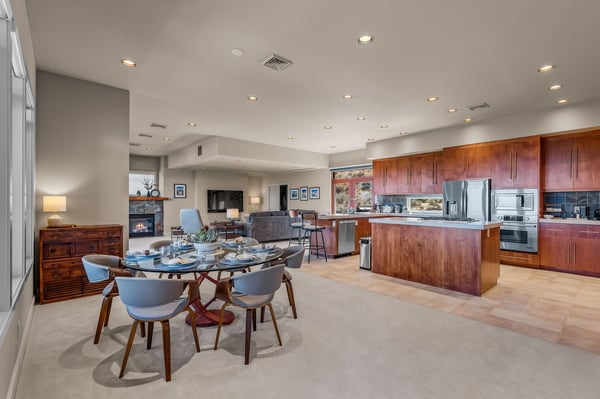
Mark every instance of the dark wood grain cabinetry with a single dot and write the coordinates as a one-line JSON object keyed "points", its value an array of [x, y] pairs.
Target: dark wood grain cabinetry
{"points": [[432, 172], [385, 173], [60, 268], [571, 162], [516, 163], [467, 162], [570, 247]]}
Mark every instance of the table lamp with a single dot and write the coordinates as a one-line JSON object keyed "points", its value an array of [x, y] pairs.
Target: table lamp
{"points": [[54, 203], [232, 214]]}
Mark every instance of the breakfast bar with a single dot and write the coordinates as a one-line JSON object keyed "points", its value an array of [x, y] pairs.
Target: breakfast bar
{"points": [[458, 256]]}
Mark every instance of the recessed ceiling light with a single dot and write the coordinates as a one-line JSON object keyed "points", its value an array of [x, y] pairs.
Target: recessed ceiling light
{"points": [[347, 96], [237, 51], [384, 126], [332, 146], [252, 98], [451, 110], [128, 62], [166, 139], [545, 68], [237, 161], [149, 148], [432, 99], [361, 118], [555, 87], [467, 120], [365, 39], [563, 101], [403, 133], [192, 124], [371, 139], [327, 127], [290, 137]]}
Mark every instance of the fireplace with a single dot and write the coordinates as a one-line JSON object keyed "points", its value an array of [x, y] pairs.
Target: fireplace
{"points": [[141, 225]]}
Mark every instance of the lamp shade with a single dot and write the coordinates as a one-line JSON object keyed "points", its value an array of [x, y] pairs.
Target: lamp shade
{"points": [[54, 203], [255, 200], [233, 213]]}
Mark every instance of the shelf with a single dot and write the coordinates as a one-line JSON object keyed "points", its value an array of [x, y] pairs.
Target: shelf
{"points": [[148, 199]]}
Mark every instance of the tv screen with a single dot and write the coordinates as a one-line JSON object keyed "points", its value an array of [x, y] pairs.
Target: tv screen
{"points": [[221, 200]]}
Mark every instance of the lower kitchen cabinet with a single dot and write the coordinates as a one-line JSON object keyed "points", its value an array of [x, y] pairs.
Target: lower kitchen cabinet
{"points": [[519, 258], [570, 247]]}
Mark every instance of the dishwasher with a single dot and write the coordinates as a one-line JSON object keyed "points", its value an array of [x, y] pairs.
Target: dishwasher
{"points": [[346, 234]]}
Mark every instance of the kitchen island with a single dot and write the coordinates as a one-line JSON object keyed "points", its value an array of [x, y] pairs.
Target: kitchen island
{"points": [[458, 256]]}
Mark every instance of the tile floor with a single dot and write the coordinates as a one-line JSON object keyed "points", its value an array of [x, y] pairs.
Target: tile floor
{"points": [[557, 307]]}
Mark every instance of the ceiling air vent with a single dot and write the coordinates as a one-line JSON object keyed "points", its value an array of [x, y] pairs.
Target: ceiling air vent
{"points": [[145, 135], [479, 107], [134, 144], [154, 124], [276, 62]]}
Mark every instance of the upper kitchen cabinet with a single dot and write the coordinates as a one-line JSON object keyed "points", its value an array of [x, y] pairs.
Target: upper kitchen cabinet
{"points": [[432, 172], [570, 162], [467, 162], [385, 176], [516, 163]]}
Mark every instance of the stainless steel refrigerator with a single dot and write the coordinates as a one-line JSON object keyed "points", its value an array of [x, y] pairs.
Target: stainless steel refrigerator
{"points": [[467, 199]]}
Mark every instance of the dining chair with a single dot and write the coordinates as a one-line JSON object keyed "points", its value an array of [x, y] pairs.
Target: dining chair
{"points": [[250, 291], [157, 245], [156, 300], [292, 257], [100, 268], [190, 220], [312, 231]]}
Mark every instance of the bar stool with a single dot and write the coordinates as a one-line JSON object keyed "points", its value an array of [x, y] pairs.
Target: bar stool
{"points": [[296, 233], [312, 232]]}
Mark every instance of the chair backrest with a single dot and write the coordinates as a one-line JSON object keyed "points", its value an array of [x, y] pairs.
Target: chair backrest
{"points": [[261, 282], [96, 266], [145, 292], [160, 243], [190, 220], [309, 217], [294, 260]]}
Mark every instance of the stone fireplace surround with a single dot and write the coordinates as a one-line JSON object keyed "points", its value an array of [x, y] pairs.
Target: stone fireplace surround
{"points": [[149, 205]]}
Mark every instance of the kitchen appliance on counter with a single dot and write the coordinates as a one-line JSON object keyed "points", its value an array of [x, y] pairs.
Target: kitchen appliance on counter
{"points": [[597, 214], [517, 209], [464, 199]]}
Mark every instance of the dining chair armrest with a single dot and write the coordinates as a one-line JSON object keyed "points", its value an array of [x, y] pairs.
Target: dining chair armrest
{"points": [[223, 289], [119, 271], [193, 290]]}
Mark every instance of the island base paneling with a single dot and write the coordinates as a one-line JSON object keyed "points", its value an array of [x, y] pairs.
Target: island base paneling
{"points": [[519, 258]]}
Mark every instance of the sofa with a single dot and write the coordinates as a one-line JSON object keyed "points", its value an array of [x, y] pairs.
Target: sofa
{"points": [[268, 225]]}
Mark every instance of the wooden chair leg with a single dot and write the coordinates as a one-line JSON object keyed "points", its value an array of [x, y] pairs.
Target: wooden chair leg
{"points": [[101, 318], [248, 335], [262, 314], [142, 330], [128, 348], [219, 325], [108, 307], [194, 330], [254, 319], [166, 334], [150, 333], [274, 323], [290, 292]]}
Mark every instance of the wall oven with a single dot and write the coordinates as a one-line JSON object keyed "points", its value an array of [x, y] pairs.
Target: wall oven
{"points": [[518, 212]]}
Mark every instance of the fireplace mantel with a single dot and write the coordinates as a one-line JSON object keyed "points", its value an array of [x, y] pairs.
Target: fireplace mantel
{"points": [[148, 199]]}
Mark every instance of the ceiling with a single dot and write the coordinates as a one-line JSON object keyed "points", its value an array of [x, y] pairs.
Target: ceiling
{"points": [[465, 52]]}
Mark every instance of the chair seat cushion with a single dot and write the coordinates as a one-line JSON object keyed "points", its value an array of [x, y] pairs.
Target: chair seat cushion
{"points": [[313, 228], [296, 225], [250, 301], [156, 313]]}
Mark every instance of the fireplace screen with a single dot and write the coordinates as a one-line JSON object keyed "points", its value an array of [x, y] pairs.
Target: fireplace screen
{"points": [[141, 225]]}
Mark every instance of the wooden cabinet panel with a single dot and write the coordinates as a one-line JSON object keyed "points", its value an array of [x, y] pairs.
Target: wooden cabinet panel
{"points": [[61, 271], [557, 166], [585, 247], [378, 177], [432, 172], [519, 258], [570, 247], [385, 176], [516, 163], [587, 158], [467, 162]]}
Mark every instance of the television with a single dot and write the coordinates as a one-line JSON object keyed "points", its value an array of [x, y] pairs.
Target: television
{"points": [[221, 200]]}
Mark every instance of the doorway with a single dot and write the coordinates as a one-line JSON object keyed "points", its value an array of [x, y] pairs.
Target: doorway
{"points": [[278, 197]]}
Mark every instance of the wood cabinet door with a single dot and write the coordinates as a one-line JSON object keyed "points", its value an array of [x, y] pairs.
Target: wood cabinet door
{"points": [[585, 248], [401, 173], [501, 159], [515, 163], [554, 245], [414, 175], [557, 163], [455, 163], [391, 176], [378, 177], [586, 169], [477, 161]]}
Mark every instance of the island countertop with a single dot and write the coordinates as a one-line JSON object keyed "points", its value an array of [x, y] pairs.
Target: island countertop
{"points": [[416, 221]]}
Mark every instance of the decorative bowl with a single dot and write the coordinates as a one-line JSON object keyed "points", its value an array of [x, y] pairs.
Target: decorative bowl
{"points": [[206, 246]]}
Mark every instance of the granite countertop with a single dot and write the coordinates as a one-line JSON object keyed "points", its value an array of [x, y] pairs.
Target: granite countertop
{"points": [[416, 221], [570, 221], [357, 215]]}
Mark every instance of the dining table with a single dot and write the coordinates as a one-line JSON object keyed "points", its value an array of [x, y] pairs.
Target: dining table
{"points": [[237, 255]]}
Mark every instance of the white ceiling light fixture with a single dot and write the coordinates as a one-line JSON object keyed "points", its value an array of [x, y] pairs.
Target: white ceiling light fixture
{"points": [[252, 98], [371, 139], [128, 62], [384, 126], [365, 39], [347, 96], [149, 148], [237, 52], [361, 118], [167, 139], [555, 87], [327, 127], [452, 110], [332, 146], [546, 68], [563, 101], [290, 137], [432, 99], [192, 124], [467, 120], [403, 133]]}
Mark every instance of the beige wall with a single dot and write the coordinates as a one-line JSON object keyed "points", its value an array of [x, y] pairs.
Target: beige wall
{"points": [[82, 149], [315, 178], [169, 177], [216, 180]]}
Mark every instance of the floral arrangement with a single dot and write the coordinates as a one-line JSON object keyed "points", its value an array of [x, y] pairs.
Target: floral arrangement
{"points": [[203, 236]]}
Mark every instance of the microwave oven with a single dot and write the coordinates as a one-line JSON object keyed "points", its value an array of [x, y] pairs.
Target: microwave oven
{"points": [[515, 201]]}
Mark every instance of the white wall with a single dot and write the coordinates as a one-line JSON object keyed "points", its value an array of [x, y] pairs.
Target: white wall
{"points": [[316, 178], [169, 177]]}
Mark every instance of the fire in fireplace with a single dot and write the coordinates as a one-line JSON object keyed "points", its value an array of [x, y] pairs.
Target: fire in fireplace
{"points": [[141, 225]]}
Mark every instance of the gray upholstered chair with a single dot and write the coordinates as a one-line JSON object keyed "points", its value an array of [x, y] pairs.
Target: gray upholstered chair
{"points": [[250, 291], [100, 268], [154, 300], [157, 245], [292, 257], [190, 220]]}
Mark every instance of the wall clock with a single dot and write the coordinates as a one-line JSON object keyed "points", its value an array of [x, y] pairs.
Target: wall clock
{"points": [[154, 192]]}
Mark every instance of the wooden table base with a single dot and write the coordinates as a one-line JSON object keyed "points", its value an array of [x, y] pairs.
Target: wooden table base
{"points": [[210, 318]]}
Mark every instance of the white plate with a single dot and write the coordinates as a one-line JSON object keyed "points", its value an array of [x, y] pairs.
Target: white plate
{"points": [[179, 262]]}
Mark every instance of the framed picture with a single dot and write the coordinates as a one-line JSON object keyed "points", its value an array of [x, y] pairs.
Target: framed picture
{"points": [[314, 193], [179, 191], [303, 193], [294, 194]]}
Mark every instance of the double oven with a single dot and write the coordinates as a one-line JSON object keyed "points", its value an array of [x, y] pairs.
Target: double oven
{"points": [[517, 209]]}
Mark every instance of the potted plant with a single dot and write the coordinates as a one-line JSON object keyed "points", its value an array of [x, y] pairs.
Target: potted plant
{"points": [[205, 240]]}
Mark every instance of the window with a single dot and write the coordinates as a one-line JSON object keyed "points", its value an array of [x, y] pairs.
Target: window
{"points": [[140, 181], [352, 190]]}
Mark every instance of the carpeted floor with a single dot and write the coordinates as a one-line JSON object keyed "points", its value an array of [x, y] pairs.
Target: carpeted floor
{"points": [[347, 342]]}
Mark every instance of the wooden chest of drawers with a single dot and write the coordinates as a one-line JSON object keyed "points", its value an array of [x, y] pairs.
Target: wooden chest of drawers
{"points": [[61, 271]]}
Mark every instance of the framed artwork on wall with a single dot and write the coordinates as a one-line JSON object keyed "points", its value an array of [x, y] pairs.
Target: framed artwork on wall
{"points": [[314, 193], [294, 194], [303, 193], [179, 191]]}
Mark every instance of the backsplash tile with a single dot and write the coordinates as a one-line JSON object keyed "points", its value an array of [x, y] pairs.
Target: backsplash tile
{"points": [[567, 201]]}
